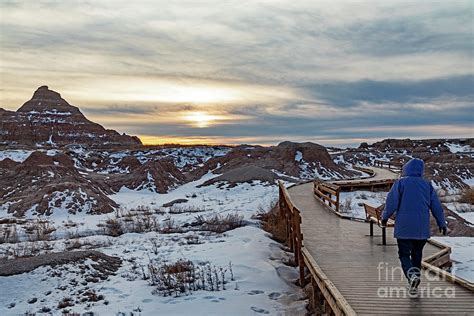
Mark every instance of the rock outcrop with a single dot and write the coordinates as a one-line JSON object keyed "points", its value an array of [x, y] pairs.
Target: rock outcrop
{"points": [[448, 162], [44, 184], [156, 176], [49, 120], [299, 160]]}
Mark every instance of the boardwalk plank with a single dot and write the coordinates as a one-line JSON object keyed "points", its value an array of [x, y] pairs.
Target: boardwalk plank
{"points": [[349, 258]]}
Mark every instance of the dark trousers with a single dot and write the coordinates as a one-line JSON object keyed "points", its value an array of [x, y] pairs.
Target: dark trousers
{"points": [[410, 252]]}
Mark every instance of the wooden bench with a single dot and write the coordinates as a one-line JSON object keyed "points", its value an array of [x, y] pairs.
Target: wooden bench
{"points": [[374, 215]]}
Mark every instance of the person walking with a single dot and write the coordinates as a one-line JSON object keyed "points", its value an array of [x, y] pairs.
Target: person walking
{"points": [[410, 199]]}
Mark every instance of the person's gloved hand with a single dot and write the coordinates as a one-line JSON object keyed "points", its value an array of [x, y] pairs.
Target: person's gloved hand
{"points": [[384, 222], [443, 230]]}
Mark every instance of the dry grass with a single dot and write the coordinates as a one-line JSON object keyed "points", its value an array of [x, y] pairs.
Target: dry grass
{"points": [[467, 196], [345, 206], [184, 277], [39, 230], [273, 223], [130, 222], [29, 249], [181, 209], [218, 223], [169, 226], [8, 234]]}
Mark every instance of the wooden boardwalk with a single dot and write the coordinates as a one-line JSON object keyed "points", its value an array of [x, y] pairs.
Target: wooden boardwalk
{"points": [[363, 271]]}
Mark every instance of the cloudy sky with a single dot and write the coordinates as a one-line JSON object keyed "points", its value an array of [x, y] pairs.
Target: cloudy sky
{"points": [[217, 71]]}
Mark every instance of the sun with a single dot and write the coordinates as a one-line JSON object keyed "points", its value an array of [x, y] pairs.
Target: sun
{"points": [[200, 119]]}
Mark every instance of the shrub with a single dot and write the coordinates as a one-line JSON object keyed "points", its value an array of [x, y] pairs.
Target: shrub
{"points": [[113, 227], [181, 209], [345, 206], [273, 222], [218, 223], [184, 277], [73, 244], [39, 230], [8, 234], [170, 227], [65, 302], [128, 222]]}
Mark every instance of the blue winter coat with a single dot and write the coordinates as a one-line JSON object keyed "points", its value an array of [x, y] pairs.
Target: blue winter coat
{"points": [[411, 199]]}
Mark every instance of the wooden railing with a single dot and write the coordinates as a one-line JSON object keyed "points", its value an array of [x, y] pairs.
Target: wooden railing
{"points": [[387, 164], [327, 193], [366, 170], [292, 217], [370, 185], [325, 292]]}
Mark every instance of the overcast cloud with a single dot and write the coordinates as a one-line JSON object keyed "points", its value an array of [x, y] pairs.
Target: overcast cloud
{"points": [[324, 71]]}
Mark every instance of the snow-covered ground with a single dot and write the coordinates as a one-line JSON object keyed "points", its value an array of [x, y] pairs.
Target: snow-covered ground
{"points": [[458, 148], [256, 265], [15, 155], [465, 210], [462, 255], [352, 203], [262, 282]]}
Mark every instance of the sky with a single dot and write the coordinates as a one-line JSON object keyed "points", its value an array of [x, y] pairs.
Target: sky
{"points": [[261, 72]]}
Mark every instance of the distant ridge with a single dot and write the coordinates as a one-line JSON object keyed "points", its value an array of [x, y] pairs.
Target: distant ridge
{"points": [[49, 120]]}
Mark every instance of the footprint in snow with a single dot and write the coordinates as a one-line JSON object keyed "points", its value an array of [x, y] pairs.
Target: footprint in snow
{"points": [[189, 298], [147, 300], [259, 310], [171, 301], [254, 292], [274, 295]]}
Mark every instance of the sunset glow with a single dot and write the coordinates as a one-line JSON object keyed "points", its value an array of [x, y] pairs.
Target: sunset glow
{"points": [[200, 119], [221, 70]]}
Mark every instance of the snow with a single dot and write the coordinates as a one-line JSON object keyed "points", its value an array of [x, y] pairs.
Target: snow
{"points": [[263, 284], [458, 148], [15, 155], [50, 141], [256, 285], [352, 203], [245, 198], [339, 159], [462, 255], [465, 210], [299, 156], [316, 170], [469, 182]]}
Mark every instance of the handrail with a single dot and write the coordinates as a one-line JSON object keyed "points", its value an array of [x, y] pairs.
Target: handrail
{"points": [[335, 299], [292, 219], [303, 258]]}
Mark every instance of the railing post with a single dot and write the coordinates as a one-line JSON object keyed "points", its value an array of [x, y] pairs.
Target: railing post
{"points": [[300, 245], [288, 229], [293, 237]]}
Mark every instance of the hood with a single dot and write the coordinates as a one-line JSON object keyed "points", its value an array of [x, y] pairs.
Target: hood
{"points": [[414, 168]]}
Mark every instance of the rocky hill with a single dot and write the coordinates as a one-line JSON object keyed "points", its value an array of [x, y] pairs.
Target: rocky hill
{"points": [[297, 160], [448, 162], [44, 183], [48, 119]]}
